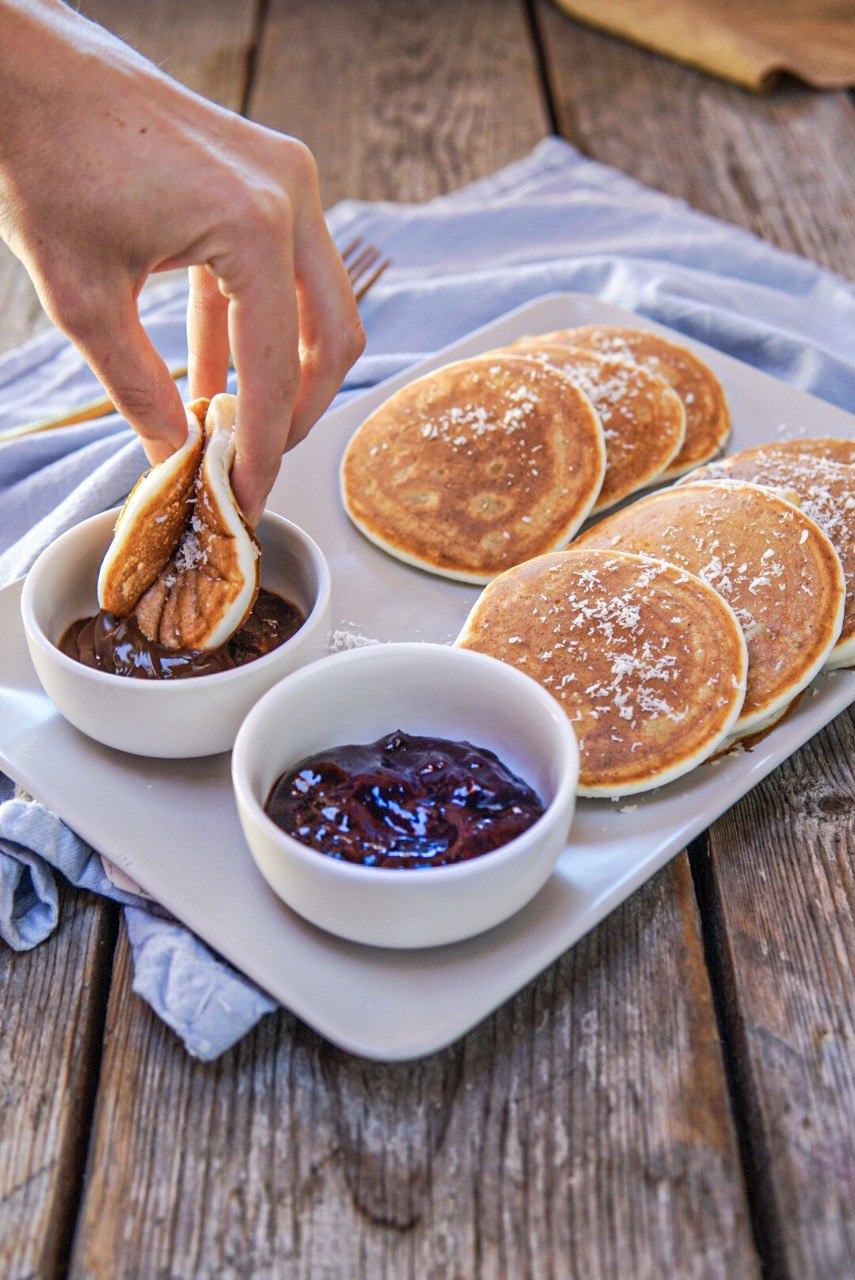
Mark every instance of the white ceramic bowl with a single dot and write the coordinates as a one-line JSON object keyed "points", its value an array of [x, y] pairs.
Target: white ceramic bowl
{"points": [[424, 689], [198, 716]]}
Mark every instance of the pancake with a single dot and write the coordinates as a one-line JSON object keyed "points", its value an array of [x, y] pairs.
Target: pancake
{"points": [[152, 521], [643, 419], [826, 492], [707, 414], [206, 588], [475, 467], [769, 560], [648, 661], [832, 448]]}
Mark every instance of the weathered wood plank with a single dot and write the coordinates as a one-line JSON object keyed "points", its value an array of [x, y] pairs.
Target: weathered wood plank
{"points": [[206, 46], [780, 165], [53, 998], [777, 888], [400, 99], [581, 1132], [53, 1001], [777, 892]]}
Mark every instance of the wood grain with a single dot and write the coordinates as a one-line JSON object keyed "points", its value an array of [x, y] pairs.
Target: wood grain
{"points": [[53, 1001], [581, 1132], [780, 165], [400, 99], [779, 893], [777, 889]]}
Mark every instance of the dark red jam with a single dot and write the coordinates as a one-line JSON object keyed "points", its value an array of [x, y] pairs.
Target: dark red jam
{"points": [[117, 645], [403, 801]]}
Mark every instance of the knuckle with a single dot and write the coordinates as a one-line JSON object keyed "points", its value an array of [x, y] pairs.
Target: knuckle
{"points": [[355, 341], [344, 346], [134, 400], [264, 211], [299, 162], [76, 308]]}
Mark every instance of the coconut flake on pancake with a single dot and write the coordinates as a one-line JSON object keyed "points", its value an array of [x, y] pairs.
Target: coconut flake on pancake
{"points": [[832, 448], [152, 521], [707, 414], [205, 592], [648, 662], [771, 562], [826, 492], [475, 467], [643, 418]]}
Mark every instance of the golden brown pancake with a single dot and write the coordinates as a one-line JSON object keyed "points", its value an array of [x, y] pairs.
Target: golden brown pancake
{"points": [[769, 560], [826, 492], [832, 448], [643, 419], [475, 467], [648, 661], [707, 414], [207, 587], [152, 521]]}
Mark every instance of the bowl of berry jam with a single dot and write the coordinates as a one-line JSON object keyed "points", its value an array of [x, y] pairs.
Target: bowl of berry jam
{"points": [[127, 692], [406, 795]]}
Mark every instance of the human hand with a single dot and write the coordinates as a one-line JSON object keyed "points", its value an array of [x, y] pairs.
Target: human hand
{"points": [[110, 171]]}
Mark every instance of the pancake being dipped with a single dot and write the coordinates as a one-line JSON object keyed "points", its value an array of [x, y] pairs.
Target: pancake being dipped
{"points": [[647, 660], [152, 521], [826, 492], [707, 414], [643, 419], [197, 592], [766, 557], [475, 467]]}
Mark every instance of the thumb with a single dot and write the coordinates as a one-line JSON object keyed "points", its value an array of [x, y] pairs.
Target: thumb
{"points": [[134, 375]]}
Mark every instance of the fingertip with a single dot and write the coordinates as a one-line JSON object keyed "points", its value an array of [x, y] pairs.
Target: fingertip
{"points": [[249, 490]]}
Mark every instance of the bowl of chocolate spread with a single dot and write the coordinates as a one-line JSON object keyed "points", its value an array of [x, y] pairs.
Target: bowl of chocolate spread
{"points": [[131, 693], [406, 795]]}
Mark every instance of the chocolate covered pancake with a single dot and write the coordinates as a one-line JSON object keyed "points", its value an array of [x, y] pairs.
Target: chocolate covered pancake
{"points": [[770, 561], [206, 587], [643, 419], [707, 414], [648, 661], [826, 492], [475, 467]]}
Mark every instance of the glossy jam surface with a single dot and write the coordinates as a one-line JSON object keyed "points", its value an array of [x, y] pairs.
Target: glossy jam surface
{"points": [[117, 645], [403, 802]]}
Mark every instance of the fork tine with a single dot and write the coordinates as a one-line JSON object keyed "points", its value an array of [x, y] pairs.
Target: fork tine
{"points": [[354, 244], [363, 289], [360, 265], [359, 258]]}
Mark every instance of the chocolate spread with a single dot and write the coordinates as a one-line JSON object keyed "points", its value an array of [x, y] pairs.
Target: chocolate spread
{"points": [[118, 646], [403, 802]]}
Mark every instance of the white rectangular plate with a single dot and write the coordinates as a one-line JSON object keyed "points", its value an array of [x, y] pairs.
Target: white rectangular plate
{"points": [[173, 827]]}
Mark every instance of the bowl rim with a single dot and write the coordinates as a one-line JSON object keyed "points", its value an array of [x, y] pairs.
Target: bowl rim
{"points": [[157, 688], [348, 872]]}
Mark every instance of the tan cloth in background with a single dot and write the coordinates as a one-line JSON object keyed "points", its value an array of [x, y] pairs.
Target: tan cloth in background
{"points": [[749, 41]]}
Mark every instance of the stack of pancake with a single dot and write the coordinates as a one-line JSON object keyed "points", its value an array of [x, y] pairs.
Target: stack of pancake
{"points": [[655, 685], [489, 461], [681, 623]]}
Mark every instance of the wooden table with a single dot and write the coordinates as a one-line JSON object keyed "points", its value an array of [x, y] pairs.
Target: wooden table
{"points": [[676, 1096]]}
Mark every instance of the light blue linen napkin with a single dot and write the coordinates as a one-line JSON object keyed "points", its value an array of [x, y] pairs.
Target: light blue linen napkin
{"points": [[553, 221]]}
